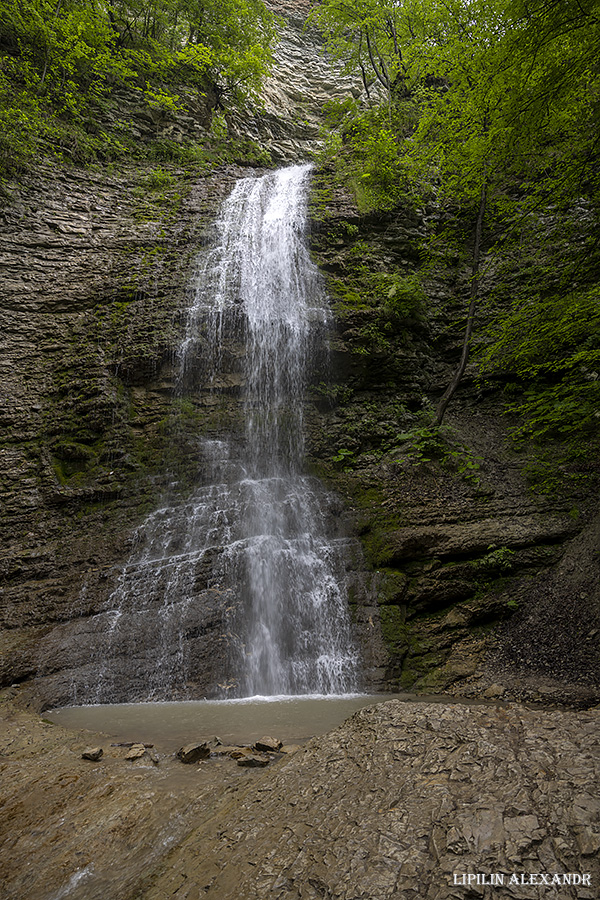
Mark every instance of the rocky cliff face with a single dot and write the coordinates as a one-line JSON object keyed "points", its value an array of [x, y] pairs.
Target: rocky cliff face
{"points": [[97, 269], [98, 266], [291, 123], [466, 557], [456, 593], [472, 595]]}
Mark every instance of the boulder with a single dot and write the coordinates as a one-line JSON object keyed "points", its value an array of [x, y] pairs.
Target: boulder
{"points": [[191, 753], [268, 745], [239, 752], [93, 753], [135, 752]]}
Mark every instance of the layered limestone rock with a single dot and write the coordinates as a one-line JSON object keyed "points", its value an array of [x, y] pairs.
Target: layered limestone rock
{"points": [[466, 586], [401, 800], [96, 273], [304, 80]]}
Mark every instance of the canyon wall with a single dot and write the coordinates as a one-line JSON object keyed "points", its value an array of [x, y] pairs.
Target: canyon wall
{"points": [[461, 580]]}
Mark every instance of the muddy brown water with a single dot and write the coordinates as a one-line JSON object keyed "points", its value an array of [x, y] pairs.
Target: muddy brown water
{"points": [[168, 725]]}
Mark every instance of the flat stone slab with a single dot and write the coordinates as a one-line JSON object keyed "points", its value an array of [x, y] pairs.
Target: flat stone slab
{"points": [[476, 536], [268, 745], [253, 761]]}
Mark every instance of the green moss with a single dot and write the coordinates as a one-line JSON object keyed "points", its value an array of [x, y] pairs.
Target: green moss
{"points": [[393, 628], [393, 586]]}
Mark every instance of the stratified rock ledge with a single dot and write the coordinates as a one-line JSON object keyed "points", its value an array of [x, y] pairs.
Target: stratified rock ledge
{"points": [[402, 798], [394, 803]]}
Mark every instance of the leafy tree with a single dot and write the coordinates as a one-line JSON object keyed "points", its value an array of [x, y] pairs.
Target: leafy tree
{"points": [[59, 58], [503, 98]]}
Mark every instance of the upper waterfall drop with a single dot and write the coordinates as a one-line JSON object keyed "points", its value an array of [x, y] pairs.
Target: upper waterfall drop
{"points": [[259, 280]]}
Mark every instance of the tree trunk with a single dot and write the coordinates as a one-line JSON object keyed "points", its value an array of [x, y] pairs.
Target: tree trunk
{"points": [[445, 400], [40, 86]]}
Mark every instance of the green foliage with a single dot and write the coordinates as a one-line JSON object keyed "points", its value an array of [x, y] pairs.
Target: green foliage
{"points": [[333, 393], [498, 560], [367, 155], [368, 36], [373, 338], [20, 123], [366, 284], [430, 443], [484, 88], [406, 296], [548, 342], [158, 179], [161, 101], [61, 59], [550, 336], [490, 107], [345, 458]]}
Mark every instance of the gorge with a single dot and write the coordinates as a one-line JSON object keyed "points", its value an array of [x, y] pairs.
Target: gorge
{"points": [[161, 431]]}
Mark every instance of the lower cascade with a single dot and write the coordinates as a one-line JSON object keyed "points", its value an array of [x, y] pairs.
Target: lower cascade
{"points": [[254, 539]]}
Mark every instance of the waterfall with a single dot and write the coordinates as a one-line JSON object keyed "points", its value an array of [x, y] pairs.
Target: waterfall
{"points": [[254, 538]]}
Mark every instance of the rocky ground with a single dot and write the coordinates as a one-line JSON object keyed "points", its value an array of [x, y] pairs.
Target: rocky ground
{"points": [[400, 801]]}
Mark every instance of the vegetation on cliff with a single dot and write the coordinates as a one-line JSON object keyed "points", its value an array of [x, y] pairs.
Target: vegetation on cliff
{"points": [[488, 110], [61, 62]]}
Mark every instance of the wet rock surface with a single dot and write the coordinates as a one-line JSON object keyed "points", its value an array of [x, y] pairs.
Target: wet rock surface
{"points": [[191, 753], [93, 754], [97, 269], [395, 802], [91, 315]]}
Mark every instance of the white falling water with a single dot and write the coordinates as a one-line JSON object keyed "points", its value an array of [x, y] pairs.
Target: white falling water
{"points": [[254, 537], [293, 626]]}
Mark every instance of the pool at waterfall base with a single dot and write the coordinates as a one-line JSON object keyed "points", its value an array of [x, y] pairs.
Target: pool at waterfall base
{"points": [[168, 725]]}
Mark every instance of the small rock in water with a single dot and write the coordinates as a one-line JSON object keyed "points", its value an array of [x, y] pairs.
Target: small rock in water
{"points": [[142, 753], [240, 752], [191, 753], [94, 753], [136, 751], [268, 745], [494, 690], [253, 762]]}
